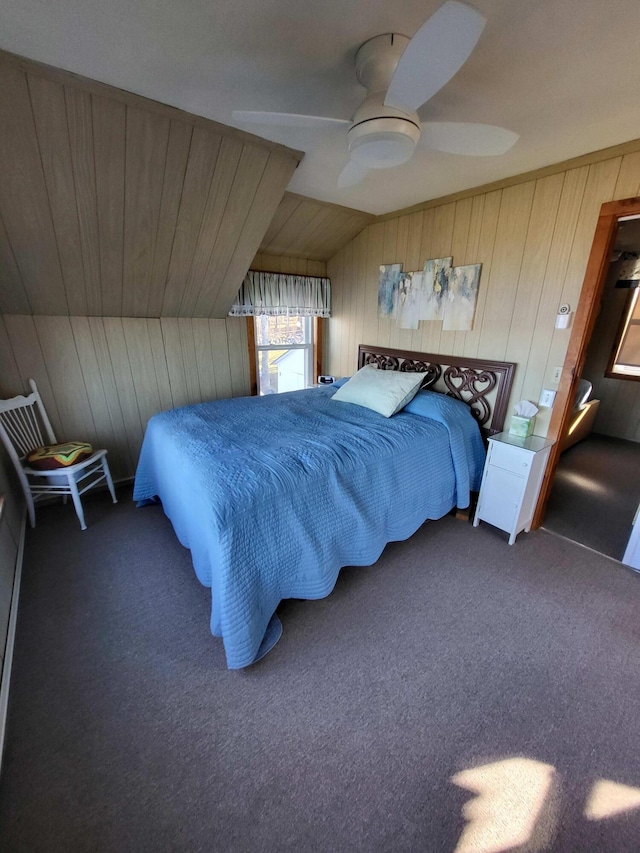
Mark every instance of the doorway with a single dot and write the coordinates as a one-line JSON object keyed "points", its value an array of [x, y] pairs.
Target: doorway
{"points": [[596, 487], [595, 494]]}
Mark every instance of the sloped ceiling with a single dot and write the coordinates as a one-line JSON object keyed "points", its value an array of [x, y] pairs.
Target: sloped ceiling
{"points": [[305, 228], [112, 205]]}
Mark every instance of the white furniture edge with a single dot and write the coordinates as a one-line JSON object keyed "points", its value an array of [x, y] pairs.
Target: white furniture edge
{"points": [[631, 556], [11, 637]]}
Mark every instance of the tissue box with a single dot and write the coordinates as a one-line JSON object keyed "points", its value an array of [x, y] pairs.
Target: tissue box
{"points": [[522, 427]]}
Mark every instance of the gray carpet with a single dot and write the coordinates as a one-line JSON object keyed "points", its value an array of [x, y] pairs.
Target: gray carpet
{"points": [[454, 652], [595, 494]]}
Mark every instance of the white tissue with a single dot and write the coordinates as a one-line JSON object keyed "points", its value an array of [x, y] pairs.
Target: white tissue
{"points": [[525, 409]]}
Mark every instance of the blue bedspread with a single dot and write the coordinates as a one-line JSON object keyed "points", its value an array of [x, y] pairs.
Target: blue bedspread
{"points": [[273, 495]]}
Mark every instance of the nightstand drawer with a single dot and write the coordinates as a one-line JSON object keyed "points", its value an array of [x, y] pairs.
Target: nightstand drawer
{"points": [[510, 458]]}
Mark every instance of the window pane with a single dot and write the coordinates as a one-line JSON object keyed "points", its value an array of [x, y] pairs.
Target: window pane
{"points": [[630, 349], [281, 370], [268, 371], [626, 349], [281, 331]]}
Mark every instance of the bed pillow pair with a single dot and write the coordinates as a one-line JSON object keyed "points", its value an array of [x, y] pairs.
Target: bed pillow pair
{"points": [[383, 391]]}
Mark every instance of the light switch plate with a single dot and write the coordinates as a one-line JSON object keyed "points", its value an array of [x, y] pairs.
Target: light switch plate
{"points": [[547, 397]]}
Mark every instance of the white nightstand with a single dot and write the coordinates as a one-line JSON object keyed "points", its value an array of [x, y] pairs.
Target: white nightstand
{"points": [[511, 481]]}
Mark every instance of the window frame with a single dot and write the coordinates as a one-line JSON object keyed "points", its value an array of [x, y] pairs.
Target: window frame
{"points": [[625, 322], [315, 354]]}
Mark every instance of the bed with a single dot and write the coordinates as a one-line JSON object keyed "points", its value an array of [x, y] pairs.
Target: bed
{"points": [[274, 495]]}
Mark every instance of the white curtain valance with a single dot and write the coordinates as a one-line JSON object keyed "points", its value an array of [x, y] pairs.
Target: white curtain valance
{"points": [[279, 294]]}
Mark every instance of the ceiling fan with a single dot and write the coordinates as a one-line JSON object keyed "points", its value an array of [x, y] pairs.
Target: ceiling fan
{"points": [[401, 74]]}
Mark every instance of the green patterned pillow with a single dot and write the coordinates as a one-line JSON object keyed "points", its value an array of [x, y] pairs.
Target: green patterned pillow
{"points": [[59, 455]]}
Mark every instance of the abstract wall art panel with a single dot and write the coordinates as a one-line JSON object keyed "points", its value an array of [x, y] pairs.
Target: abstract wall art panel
{"points": [[436, 273], [410, 298], [388, 290], [460, 304], [439, 292]]}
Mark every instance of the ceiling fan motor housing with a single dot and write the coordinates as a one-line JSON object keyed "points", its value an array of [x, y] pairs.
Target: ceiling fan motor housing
{"points": [[381, 137], [376, 60]]}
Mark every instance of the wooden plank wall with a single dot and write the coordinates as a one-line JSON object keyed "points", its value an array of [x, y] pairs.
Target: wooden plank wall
{"points": [[533, 240], [293, 266], [102, 378], [113, 205]]}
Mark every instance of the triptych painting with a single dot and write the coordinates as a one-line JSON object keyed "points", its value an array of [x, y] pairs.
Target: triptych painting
{"points": [[439, 291]]}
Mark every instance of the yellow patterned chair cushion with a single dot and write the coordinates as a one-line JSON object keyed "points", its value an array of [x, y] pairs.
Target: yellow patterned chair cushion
{"points": [[59, 455]]}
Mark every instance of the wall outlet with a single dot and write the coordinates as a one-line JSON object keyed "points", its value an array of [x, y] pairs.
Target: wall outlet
{"points": [[557, 373], [547, 397]]}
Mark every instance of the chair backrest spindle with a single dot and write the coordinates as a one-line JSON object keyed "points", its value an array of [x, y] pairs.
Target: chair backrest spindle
{"points": [[43, 413], [24, 429], [24, 423]]}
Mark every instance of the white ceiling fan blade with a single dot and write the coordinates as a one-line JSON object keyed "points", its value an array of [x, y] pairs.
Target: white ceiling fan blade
{"points": [[287, 119], [351, 175], [435, 53], [469, 138]]}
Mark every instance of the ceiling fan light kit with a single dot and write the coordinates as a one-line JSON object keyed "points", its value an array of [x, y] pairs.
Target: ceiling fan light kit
{"points": [[381, 137], [383, 142]]}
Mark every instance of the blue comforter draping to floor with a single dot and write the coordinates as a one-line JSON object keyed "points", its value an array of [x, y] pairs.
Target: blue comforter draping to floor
{"points": [[273, 495]]}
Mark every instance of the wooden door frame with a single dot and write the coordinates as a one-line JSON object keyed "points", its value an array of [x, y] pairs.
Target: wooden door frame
{"points": [[586, 314]]}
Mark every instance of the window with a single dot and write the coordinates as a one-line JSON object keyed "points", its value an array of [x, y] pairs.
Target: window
{"points": [[625, 356], [284, 315], [284, 353]]}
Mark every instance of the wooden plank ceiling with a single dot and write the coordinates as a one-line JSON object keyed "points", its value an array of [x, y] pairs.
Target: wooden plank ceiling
{"points": [[114, 205], [305, 228]]}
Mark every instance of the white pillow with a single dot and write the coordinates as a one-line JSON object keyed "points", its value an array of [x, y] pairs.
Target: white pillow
{"points": [[384, 391]]}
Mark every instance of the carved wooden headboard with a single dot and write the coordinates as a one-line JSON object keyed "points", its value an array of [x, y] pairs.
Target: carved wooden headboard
{"points": [[483, 385]]}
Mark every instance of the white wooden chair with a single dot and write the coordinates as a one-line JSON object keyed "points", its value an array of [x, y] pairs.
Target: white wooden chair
{"points": [[24, 427]]}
